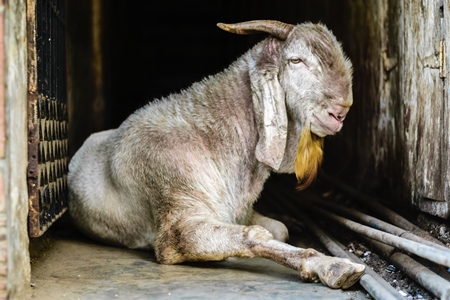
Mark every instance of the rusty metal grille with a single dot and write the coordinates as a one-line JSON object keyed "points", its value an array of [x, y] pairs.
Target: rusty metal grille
{"points": [[47, 115]]}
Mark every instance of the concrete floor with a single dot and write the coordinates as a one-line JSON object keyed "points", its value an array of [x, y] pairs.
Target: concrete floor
{"points": [[73, 267]]}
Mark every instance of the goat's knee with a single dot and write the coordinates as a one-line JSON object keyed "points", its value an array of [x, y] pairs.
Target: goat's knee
{"points": [[278, 230], [256, 233], [207, 241]]}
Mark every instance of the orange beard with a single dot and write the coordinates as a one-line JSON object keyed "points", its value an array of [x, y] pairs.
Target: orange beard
{"points": [[308, 159]]}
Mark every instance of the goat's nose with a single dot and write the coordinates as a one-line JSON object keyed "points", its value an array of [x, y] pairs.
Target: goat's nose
{"points": [[338, 117], [338, 112]]}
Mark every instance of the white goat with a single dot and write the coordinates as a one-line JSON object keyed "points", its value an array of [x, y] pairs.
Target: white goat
{"points": [[181, 174]]}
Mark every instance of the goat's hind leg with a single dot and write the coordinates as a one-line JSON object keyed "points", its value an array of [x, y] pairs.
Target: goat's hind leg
{"points": [[278, 230], [206, 241]]}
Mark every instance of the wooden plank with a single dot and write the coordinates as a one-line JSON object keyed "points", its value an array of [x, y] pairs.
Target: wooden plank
{"points": [[446, 147], [434, 206], [423, 98], [33, 123]]}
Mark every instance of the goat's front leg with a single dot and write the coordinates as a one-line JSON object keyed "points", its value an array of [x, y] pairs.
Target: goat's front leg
{"points": [[312, 265], [205, 241]]}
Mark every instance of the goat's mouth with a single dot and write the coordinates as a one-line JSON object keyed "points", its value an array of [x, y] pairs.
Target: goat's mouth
{"points": [[323, 128]]}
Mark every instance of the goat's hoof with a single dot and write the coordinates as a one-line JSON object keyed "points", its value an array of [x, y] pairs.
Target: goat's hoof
{"points": [[333, 271]]}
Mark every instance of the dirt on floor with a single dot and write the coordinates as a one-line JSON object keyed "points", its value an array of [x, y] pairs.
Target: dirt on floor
{"points": [[396, 278]]}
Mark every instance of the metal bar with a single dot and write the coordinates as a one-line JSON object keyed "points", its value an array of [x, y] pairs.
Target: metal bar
{"points": [[47, 116], [375, 205], [433, 254], [371, 281], [416, 271], [376, 290], [373, 222], [419, 273]]}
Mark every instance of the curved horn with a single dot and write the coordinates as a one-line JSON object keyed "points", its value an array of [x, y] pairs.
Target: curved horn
{"points": [[276, 28]]}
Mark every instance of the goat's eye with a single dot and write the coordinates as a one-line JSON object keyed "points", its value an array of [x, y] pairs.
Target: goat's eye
{"points": [[295, 60]]}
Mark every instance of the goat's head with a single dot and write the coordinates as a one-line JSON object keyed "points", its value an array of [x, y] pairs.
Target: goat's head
{"points": [[302, 75]]}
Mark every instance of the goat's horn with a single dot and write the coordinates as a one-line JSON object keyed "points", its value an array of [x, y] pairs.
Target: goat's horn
{"points": [[276, 28]]}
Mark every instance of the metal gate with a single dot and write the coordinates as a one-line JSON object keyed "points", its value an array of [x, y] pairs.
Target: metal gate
{"points": [[47, 114]]}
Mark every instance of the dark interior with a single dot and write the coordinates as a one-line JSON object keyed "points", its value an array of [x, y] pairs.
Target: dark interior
{"points": [[152, 51]]}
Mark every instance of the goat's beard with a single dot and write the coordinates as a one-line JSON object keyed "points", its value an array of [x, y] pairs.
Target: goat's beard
{"points": [[308, 159]]}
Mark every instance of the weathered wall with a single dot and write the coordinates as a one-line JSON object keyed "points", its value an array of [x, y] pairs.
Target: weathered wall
{"points": [[398, 130], [424, 87], [423, 98], [14, 164]]}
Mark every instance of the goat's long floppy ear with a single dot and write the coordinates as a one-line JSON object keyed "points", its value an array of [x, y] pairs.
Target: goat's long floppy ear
{"points": [[270, 116], [267, 94]]}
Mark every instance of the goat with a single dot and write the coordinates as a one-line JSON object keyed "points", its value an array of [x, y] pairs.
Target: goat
{"points": [[181, 174]]}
